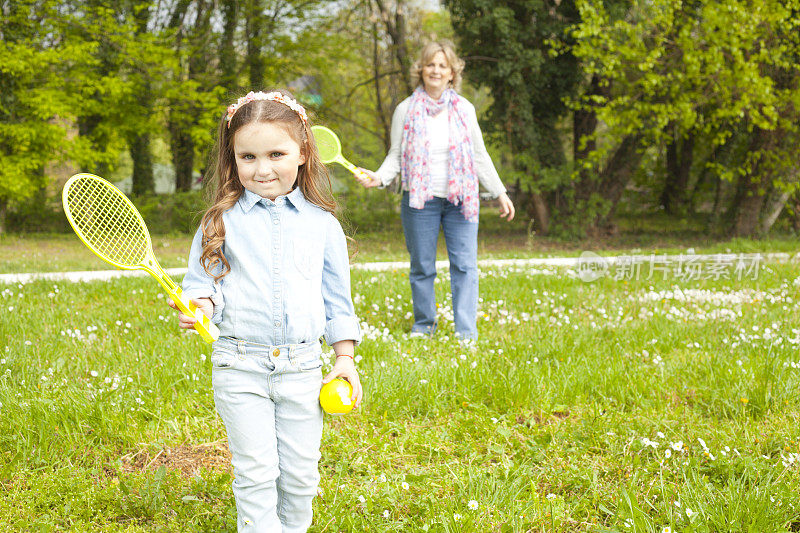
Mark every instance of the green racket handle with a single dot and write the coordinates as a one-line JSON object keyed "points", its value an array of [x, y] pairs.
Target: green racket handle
{"points": [[207, 329], [350, 166]]}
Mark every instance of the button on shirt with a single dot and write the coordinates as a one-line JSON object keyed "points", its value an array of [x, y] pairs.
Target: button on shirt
{"points": [[289, 278]]}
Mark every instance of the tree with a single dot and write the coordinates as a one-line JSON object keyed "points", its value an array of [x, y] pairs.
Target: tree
{"points": [[508, 49], [193, 96], [37, 64], [716, 73]]}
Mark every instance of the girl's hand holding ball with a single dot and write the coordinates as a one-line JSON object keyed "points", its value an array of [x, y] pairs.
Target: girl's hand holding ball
{"points": [[344, 367]]}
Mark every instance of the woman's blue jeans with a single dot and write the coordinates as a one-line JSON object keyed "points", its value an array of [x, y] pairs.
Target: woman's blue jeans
{"points": [[421, 229]]}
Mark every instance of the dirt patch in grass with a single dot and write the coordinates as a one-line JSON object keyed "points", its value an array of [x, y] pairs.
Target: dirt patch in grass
{"points": [[189, 459]]}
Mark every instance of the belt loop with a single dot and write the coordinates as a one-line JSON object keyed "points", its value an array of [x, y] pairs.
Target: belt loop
{"points": [[291, 351], [241, 348]]}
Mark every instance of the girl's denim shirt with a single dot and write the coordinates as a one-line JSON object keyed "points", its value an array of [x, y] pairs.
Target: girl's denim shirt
{"points": [[289, 281]]}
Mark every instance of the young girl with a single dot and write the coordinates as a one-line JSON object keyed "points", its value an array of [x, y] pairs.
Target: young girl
{"points": [[269, 264]]}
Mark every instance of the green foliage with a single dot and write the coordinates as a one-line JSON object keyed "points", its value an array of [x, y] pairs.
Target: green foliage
{"points": [[724, 73], [507, 49], [706, 66], [561, 89], [40, 214], [170, 213], [35, 109]]}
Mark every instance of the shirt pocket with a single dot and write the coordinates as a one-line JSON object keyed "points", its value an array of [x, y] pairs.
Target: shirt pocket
{"points": [[308, 257]]}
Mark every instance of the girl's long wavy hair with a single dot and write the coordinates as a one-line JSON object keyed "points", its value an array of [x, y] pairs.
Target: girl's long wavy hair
{"points": [[225, 188]]}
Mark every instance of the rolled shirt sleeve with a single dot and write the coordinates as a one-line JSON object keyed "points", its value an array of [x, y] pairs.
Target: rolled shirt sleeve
{"points": [[341, 322], [198, 284]]}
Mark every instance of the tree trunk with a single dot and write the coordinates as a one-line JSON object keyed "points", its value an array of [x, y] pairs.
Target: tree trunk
{"points": [[3, 214], [143, 182], [396, 28], [227, 53], [749, 199], [86, 128], [584, 123], [138, 141], [536, 208], [255, 24], [382, 114], [746, 207], [717, 210], [794, 211], [182, 158], [679, 162], [617, 173], [772, 209]]}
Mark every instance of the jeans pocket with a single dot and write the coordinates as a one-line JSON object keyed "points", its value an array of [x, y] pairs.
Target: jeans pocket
{"points": [[221, 359], [307, 365]]}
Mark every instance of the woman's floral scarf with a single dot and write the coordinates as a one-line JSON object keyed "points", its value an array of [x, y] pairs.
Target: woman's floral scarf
{"points": [[462, 180]]}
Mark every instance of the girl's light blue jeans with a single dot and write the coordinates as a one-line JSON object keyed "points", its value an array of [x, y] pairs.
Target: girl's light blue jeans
{"points": [[421, 229], [268, 398]]}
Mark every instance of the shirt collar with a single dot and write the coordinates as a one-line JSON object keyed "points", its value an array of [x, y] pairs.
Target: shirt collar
{"points": [[249, 199], [297, 199]]}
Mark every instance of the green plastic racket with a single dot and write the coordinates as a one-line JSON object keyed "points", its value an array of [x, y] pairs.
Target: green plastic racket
{"points": [[330, 149], [111, 227]]}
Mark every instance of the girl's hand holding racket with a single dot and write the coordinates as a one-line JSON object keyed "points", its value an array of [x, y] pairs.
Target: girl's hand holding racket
{"points": [[368, 178], [188, 321], [111, 227]]}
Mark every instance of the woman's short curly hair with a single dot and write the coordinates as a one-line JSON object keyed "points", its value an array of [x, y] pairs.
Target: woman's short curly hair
{"points": [[430, 50]]}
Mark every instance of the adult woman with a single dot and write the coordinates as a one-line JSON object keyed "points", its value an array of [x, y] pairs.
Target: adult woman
{"points": [[438, 149]]}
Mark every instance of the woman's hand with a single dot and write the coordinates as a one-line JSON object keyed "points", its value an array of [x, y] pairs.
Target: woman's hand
{"points": [[368, 178], [188, 321], [506, 207], [344, 367]]}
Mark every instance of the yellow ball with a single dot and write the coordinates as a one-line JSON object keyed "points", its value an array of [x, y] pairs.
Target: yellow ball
{"points": [[335, 397]]}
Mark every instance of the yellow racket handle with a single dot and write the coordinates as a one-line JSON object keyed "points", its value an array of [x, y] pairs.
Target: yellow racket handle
{"points": [[350, 166], [207, 329]]}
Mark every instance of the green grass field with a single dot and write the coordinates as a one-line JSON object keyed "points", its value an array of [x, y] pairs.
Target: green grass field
{"points": [[619, 405]]}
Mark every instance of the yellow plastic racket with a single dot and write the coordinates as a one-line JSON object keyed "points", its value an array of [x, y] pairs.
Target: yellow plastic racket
{"points": [[109, 224], [330, 149]]}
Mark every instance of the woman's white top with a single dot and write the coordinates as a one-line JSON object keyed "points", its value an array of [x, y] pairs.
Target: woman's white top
{"points": [[438, 153]]}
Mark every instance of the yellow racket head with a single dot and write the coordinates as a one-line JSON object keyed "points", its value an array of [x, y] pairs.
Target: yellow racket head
{"points": [[328, 144], [106, 221]]}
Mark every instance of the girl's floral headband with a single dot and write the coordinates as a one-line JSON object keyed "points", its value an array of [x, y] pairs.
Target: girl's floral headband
{"points": [[274, 96]]}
